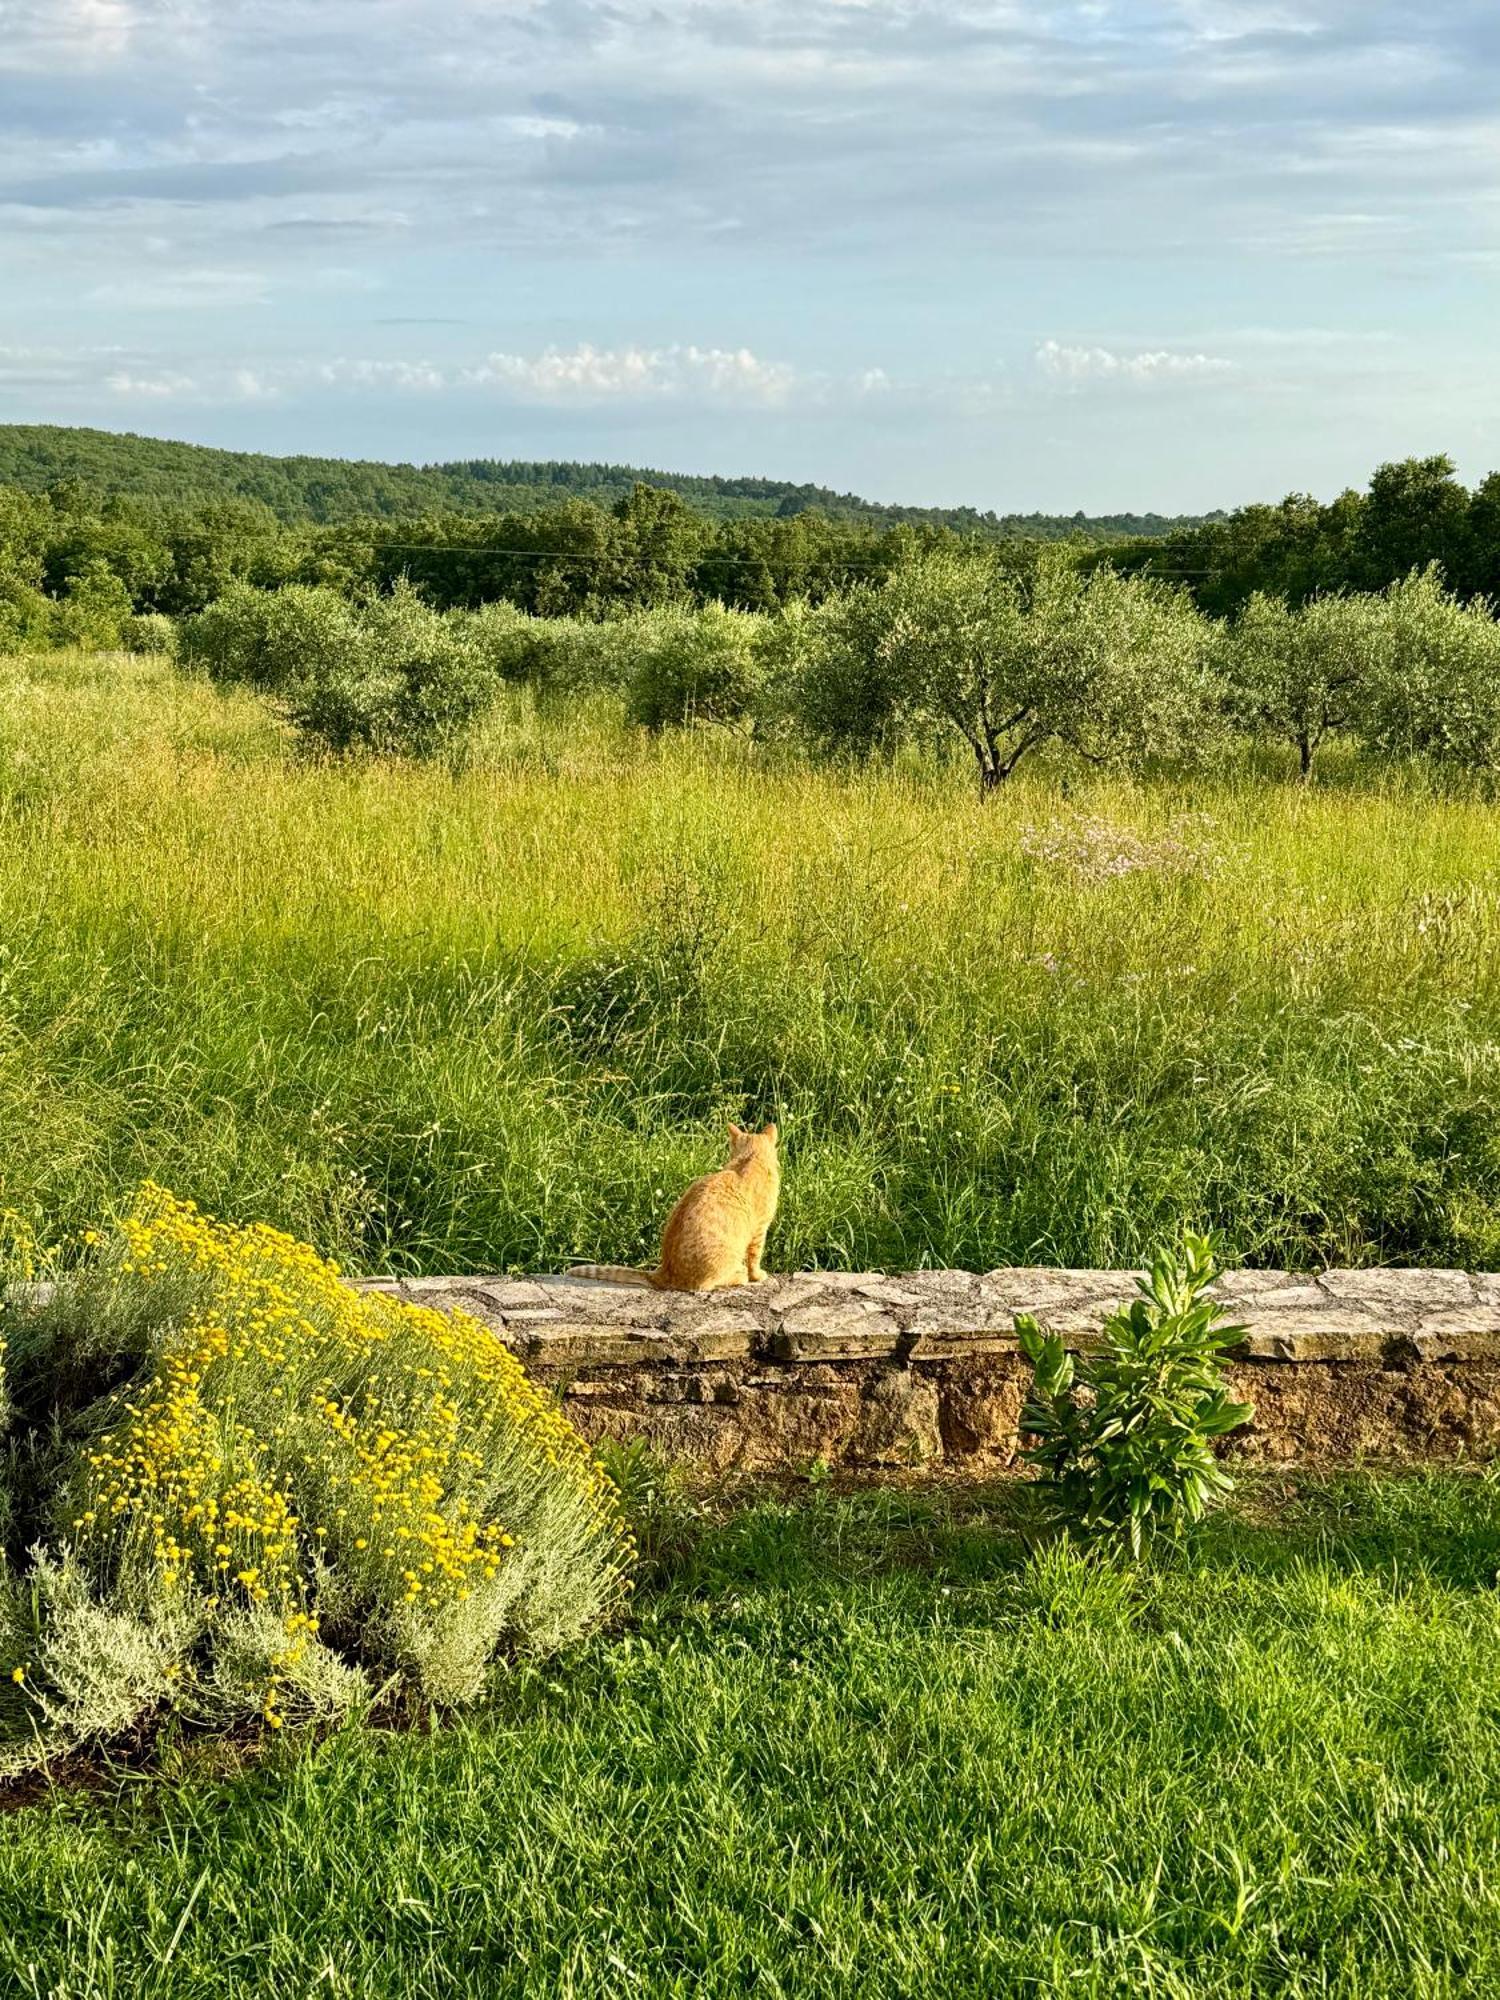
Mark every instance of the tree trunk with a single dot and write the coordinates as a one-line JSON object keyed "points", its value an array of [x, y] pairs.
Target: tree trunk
{"points": [[1305, 754]]}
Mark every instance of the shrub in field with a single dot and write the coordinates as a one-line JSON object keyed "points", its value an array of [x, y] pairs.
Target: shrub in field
{"points": [[691, 666], [1012, 656], [1434, 688], [411, 681], [1126, 1435], [1300, 675], [298, 1492], [554, 656], [498, 633], [26, 620], [273, 639], [149, 632], [824, 672], [391, 675], [94, 609]]}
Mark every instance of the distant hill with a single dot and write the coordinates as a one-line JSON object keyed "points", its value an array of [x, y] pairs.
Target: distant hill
{"points": [[39, 456]]}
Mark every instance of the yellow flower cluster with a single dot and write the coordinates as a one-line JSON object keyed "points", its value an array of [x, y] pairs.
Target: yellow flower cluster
{"points": [[290, 1424]]}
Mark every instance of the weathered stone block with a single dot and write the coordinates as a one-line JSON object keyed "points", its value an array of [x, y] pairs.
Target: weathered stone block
{"points": [[1400, 1291], [1325, 1332], [897, 1421], [854, 1331]]}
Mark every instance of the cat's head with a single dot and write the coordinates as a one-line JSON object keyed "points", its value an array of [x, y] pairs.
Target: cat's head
{"points": [[745, 1145]]}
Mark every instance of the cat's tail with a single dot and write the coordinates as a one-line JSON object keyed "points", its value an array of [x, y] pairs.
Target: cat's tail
{"points": [[613, 1274]]}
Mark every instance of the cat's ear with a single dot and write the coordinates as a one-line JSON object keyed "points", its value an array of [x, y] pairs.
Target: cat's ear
{"points": [[769, 1131], [735, 1132]]}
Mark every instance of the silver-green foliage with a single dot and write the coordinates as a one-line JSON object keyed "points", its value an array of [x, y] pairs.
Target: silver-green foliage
{"points": [[1300, 675], [389, 675], [1126, 1435], [149, 632], [1009, 656], [692, 666], [1434, 684]]}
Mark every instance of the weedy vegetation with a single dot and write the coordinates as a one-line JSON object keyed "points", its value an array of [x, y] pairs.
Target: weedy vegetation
{"points": [[485, 1011]]}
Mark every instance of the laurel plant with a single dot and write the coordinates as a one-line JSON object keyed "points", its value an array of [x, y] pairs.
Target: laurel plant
{"points": [[1126, 1435]]}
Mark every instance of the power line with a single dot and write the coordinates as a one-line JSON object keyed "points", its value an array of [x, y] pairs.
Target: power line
{"points": [[706, 559]]}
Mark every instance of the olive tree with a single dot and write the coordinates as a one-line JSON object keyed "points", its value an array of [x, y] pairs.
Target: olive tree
{"points": [[389, 675], [1435, 678], [1300, 675], [272, 639], [410, 681], [1011, 655], [824, 676], [692, 666]]}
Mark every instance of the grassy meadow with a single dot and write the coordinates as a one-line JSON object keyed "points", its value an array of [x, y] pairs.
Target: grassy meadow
{"points": [[875, 1743], [494, 1012]]}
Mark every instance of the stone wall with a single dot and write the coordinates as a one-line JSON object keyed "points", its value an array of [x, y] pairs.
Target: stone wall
{"points": [[860, 1369]]}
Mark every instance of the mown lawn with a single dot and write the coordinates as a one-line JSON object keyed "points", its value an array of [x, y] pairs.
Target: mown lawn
{"points": [[877, 1743]]}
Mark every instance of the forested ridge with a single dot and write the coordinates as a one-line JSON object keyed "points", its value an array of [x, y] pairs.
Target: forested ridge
{"points": [[328, 490]]}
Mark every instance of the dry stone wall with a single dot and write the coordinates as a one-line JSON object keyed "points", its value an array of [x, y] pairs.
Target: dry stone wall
{"points": [[864, 1370]]}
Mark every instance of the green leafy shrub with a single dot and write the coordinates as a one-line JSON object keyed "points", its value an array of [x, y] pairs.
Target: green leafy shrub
{"points": [[827, 677], [1434, 683], [553, 656], [274, 640], [391, 675], [295, 1493], [1126, 1435], [691, 666], [149, 632], [410, 680], [26, 620], [94, 608]]}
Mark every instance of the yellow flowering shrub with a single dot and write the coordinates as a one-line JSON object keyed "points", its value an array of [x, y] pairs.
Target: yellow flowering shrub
{"points": [[321, 1480]]}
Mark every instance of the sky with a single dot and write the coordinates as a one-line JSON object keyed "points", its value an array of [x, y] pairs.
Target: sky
{"points": [[1113, 254]]}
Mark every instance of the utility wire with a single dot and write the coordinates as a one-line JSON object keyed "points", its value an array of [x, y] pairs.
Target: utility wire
{"points": [[774, 563]]}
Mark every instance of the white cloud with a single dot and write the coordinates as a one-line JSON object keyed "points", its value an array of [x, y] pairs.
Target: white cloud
{"points": [[166, 387], [381, 374], [525, 126], [583, 375], [594, 374], [184, 290], [1101, 364]]}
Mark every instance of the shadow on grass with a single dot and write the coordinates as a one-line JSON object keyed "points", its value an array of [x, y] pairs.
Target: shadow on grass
{"points": [[806, 1575], [1440, 1525]]}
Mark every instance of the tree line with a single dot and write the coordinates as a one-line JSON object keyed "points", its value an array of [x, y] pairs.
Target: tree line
{"points": [[77, 562], [1415, 512], [995, 656]]}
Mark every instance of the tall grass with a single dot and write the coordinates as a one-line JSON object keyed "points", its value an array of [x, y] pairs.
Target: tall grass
{"points": [[494, 1013]]}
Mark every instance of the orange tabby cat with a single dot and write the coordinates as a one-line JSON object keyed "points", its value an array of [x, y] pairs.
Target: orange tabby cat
{"points": [[716, 1235]]}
